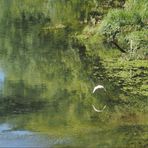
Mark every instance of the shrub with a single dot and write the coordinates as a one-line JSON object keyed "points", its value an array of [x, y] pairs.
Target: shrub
{"points": [[120, 26]]}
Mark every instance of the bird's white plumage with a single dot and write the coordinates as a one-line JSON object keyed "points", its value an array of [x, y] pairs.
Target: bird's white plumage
{"points": [[98, 110], [98, 87], [95, 88]]}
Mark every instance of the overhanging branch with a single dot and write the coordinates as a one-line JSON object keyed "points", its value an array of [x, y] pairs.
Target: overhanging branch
{"points": [[121, 49]]}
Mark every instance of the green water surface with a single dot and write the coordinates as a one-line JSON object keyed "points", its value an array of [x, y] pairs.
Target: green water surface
{"points": [[46, 83]]}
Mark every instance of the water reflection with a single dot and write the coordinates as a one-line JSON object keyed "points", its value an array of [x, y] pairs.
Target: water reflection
{"points": [[2, 79], [4, 127], [47, 83], [2, 76], [19, 138]]}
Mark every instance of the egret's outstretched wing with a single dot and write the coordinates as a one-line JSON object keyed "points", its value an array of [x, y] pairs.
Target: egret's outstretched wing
{"points": [[98, 110], [98, 87], [94, 89]]}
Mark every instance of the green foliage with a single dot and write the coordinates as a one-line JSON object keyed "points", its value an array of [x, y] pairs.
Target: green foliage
{"points": [[130, 76], [51, 81], [122, 26], [112, 3], [139, 39], [46, 11]]}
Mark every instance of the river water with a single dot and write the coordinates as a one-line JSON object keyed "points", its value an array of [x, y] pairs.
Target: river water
{"points": [[46, 83]]}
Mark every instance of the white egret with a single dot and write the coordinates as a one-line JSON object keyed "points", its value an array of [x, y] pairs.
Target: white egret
{"points": [[98, 110], [95, 88], [98, 87]]}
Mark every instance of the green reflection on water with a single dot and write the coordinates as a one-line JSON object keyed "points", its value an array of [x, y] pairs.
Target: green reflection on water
{"points": [[48, 84]]}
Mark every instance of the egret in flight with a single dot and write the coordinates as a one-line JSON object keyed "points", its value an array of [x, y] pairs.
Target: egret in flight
{"points": [[98, 87], [98, 110], [95, 88]]}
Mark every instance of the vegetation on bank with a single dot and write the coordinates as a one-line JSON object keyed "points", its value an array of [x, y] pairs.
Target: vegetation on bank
{"points": [[46, 69], [126, 28], [120, 39], [113, 33]]}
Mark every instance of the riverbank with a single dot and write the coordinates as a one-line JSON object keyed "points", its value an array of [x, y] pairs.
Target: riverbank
{"points": [[122, 70]]}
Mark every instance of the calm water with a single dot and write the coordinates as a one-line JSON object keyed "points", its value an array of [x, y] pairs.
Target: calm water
{"points": [[46, 83]]}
